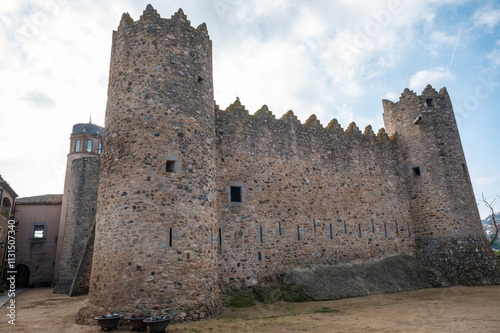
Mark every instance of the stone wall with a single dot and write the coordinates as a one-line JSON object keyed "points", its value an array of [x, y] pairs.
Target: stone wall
{"points": [[154, 248], [80, 284], [194, 199], [311, 195], [442, 203], [82, 204]]}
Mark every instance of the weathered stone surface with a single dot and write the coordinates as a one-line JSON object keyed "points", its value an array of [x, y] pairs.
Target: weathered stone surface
{"points": [[194, 200], [328, 282], [76, 256]]}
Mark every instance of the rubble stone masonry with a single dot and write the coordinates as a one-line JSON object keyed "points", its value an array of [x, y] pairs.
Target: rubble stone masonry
{"points": [[193, 199]]}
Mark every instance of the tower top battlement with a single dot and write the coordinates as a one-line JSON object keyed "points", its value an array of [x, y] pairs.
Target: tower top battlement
{"points": [[408, 94], [151, 20]]}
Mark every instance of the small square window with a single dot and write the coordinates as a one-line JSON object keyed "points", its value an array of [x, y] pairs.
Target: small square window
{"points": [[39, 232], [416, 171], [235, 193], [170, 166], [201, 80], [429, 102]]}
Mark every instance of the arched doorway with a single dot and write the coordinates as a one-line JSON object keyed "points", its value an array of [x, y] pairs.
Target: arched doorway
{"points": [[22, 276]]}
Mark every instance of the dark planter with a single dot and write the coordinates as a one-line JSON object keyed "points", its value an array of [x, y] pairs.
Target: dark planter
{"points": [[138, 323], [108, 324], [158, 326]]}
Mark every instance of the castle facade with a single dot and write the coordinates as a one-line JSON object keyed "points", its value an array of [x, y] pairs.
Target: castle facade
{"points": [[193, 199]]}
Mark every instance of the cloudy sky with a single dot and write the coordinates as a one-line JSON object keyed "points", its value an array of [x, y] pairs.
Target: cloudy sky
{"points": [[333, 58]]}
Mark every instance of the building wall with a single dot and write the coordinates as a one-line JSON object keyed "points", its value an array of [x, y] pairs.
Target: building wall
{"points": [[311, 195], [81, 210], [83, 133], [168, 234], [38, 255], [156, 215], [448, 229]]}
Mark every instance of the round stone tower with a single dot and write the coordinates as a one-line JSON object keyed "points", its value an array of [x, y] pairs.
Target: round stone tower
{"points": [[155, 248], [446, 221], [85, 141]]}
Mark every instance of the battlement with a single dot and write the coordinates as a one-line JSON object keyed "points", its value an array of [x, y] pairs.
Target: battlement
{"points": [[203, 198], [154, 23], [410, 99], [288, 128]]}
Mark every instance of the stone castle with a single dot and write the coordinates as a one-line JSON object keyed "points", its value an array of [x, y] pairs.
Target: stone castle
{"points": [[193, 199]]}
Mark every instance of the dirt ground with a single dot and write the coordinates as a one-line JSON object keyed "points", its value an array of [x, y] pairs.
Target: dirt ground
{"points": [[457, 309]]}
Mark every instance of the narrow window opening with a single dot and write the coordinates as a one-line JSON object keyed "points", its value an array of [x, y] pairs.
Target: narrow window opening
{"points": [[464, 168], [201, 80], [100, 148], [416, 171], [235, 193], [89, 146], [359, 229], [429, 102], [345, 229], [261, 235], [170, 237], [314, 225], [280, 232], [331, 231], [409, 230], [373, 227], [298, 233], [77, 146], [170, 167], [397, 226], [259, 256], [385, 230], [220, 237]]}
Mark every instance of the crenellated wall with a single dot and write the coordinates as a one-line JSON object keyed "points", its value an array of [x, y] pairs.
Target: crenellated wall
{"points": [[194, 200], [312, 194]]}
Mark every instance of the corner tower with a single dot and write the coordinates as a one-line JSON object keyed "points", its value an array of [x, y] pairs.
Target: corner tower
{"points": [[446, 220], [155, 225]]}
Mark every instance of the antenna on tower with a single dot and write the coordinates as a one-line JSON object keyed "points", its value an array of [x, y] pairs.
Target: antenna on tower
{"points": [[90, 121]]}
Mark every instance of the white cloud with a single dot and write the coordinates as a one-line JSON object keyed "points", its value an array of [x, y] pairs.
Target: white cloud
{"points": [[487, 16], [437, 77], [494, 55]]}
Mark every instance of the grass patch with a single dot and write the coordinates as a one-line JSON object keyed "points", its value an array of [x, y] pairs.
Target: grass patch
{"points": [[326, 309]]}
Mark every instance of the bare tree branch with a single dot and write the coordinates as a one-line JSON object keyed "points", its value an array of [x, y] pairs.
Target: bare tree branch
{"points": [[495, 225]]}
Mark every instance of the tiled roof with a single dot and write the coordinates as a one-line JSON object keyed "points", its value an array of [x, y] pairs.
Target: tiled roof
{"points": [[46, 199]]}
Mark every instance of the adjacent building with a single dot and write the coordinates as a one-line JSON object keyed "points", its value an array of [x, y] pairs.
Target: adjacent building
{"points": [[36, 239], [7, 198]]}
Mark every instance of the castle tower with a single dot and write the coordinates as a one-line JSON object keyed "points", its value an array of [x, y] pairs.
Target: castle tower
{"points": [[85, 142], [447, 226], [155, 227]]}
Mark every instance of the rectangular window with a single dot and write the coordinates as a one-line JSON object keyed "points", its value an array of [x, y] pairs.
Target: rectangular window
{"points": [[39, 232], [235, 193], [89, 146], [100, 148], [77, 146], [429, 102], [416, 171]]}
